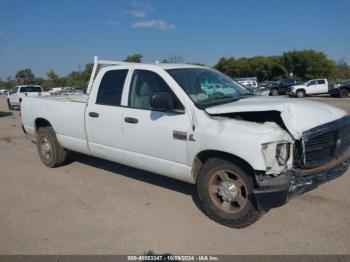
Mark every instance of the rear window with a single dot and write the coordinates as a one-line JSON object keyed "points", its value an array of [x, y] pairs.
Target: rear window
{"points": [[111, 88], [321, 82], [29, 89]]}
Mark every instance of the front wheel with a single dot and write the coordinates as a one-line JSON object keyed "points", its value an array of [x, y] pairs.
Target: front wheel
{"points": [[300, 93], [226, 194], [50, 151]]}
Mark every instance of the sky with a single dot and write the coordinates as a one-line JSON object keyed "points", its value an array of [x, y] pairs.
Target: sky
{"points": [[65, 35]]}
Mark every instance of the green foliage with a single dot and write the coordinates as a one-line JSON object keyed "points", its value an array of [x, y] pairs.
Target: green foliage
{"points": [[260, 66], [25, 76], [304, 64], [308, 64], [135, 58], [77, 78], [342, 70]]}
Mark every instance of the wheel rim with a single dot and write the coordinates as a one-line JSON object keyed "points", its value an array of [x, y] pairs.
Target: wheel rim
{"points": [[274, 92], [45, 148], [228, 191]]}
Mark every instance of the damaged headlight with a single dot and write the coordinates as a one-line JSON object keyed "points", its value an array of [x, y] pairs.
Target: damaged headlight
{"points": [[283, 153], [277, 156]]}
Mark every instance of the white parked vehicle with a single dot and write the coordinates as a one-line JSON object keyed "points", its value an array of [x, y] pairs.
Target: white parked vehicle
{"points": [[248, 83], [16, 95], [245, 154], [311, 87], [3, 91]]}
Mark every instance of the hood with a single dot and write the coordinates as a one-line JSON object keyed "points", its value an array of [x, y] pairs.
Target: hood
{"points": [[297, 115]]}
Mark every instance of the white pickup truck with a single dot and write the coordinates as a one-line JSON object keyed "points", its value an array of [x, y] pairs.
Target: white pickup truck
{"points": [[311, 87], [245, 154], [15, 97]]}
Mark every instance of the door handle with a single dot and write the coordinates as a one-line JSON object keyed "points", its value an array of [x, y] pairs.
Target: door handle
{"points": [[93, 114], [131, 120]]}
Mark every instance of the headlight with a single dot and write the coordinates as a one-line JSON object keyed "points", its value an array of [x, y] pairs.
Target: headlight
{"points": [[277, 156], [283, 153]]}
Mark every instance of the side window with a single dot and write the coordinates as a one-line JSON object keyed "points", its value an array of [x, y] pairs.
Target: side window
{"points": [[321, 82], [311, 83], [111, 88], [143, 85]]}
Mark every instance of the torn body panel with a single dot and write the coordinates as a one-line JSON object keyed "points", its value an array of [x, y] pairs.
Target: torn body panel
{"points": [[298, 116]]}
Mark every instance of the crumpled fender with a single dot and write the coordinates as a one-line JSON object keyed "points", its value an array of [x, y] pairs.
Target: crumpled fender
{"points": [[298, 115]]}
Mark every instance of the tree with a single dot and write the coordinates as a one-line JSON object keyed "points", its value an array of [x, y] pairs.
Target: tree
{"points": [[342, 70], [52, 76], [135, 58], [308, 64], [259, 66], [25, 76]]}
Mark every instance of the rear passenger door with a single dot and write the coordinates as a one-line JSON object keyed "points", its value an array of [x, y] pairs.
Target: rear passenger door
{"points": [[322, 86], [104, 116]]}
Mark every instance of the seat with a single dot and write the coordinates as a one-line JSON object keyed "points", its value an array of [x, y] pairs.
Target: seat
{"points": [[143, 96]]}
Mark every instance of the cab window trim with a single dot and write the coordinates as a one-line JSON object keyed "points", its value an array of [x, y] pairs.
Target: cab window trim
{"points": [[180, 110]]}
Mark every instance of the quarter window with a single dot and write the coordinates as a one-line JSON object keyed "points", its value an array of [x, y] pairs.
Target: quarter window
{"points": [[111, 88], [321, 82]]}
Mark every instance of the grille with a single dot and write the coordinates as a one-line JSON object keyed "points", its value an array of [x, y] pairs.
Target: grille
{"points": [[325, 143]]}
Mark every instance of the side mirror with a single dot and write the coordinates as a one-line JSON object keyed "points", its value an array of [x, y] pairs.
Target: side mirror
{"points": [[162, 102]]}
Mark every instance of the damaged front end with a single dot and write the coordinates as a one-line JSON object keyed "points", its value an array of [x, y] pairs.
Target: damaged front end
{"points": [[321, 154]]}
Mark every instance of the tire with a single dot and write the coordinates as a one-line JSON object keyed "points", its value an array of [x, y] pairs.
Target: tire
{"points": [[343, 93], [49, 150], [9, 105], [237, 210], [274, 92], [300, 93]]}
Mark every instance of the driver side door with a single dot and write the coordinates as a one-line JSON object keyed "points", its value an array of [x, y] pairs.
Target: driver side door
{"points": [[312, 87], [154, 140]]}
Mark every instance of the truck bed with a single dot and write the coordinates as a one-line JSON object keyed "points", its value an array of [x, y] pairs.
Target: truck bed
{"points": [[80, 98], [66, 115]]}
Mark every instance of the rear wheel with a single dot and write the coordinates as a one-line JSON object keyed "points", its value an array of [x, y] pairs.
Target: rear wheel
{"points": [[225, 193], [274, 92], [50, 151], [9, 104], [343, 92], [300, 93]]}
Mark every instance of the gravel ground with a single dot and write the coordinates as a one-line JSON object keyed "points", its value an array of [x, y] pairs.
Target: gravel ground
{"points": [[92, 206]]}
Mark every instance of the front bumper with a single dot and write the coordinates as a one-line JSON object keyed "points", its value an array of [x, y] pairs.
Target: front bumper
{"points": [[276, 191]]}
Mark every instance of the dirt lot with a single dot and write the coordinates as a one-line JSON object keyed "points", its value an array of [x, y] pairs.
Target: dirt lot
{"points": [[92, 206]]}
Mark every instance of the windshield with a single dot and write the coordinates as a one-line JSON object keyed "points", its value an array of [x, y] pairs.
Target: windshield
{"points": [[208, 87], [30, 89]]}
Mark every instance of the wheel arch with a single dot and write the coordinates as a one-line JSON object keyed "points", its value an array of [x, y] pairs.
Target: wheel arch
{"points": [[41, 122], [204, 155]]}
